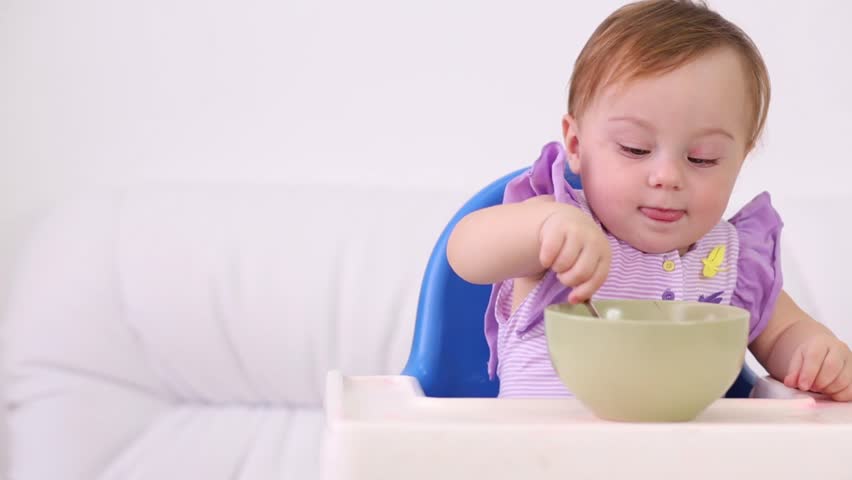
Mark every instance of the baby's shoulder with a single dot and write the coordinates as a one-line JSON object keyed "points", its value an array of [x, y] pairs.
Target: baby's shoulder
{"points": [[757, 223]]}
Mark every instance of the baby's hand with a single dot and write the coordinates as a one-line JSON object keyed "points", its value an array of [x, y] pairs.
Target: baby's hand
{"points": [[574, 246], [822, 364]]}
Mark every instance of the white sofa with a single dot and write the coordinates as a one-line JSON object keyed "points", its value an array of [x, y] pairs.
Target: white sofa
{"points": [[186, 331]]}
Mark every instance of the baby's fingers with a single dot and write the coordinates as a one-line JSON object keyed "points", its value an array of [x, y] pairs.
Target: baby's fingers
{"points": [[551, 245], [568, 256], [842, 382], [844, 395], [585, 290], [792, 378], [831, 368], [813, 357], [582, 270]]}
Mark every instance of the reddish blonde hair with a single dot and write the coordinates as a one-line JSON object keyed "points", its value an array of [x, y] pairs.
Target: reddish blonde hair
{"points": [[652, 37]]}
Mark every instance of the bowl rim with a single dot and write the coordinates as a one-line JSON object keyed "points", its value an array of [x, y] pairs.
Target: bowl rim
{"points": [[746, 315]]}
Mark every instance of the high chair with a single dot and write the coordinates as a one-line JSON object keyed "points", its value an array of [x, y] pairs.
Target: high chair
{"points": [[449, 354], [425, 423]]}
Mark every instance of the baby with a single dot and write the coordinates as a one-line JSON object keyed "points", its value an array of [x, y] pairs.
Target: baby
{"points": [[666, 100]]}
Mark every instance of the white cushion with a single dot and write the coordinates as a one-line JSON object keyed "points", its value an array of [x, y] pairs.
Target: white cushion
{"points": [[185, 332]]}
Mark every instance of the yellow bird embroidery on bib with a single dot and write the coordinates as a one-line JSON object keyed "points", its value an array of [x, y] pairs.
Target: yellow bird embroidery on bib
{"points": [[713, 262]]}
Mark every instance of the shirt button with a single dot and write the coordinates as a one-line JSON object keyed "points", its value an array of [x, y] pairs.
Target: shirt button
{"points": [[669, 266], [668, 294]]}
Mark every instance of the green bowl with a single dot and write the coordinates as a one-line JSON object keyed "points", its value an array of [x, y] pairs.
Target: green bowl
{"points": [[647, 360]]}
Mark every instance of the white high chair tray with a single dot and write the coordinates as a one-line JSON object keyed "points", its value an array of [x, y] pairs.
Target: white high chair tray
{"points": [[383, 427]]}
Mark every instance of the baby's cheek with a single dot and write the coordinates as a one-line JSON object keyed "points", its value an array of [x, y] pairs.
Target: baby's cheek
{"points": [[712, 200]]}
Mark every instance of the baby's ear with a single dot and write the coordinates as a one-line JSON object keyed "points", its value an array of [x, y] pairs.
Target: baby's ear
{"points": [[572, 142]]}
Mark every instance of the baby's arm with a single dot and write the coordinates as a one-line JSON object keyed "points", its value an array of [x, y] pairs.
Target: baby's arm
{"points": [[804, 353], [523, 240], [500, 242]]}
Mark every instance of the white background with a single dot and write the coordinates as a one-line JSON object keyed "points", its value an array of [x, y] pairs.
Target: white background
{"points": [[450, 93], [444, 92]]}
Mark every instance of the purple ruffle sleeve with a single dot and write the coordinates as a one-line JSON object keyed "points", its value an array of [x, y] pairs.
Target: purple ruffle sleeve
{"points": [[545, 177], [759, 278]]}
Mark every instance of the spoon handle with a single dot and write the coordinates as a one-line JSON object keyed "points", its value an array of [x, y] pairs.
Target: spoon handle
{"points": [[592, 308]]}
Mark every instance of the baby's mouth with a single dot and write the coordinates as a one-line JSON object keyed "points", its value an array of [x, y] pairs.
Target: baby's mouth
{"points": [[662, 214]]}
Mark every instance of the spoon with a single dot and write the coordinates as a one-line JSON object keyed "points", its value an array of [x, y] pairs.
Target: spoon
{"points": [[592, 308]]}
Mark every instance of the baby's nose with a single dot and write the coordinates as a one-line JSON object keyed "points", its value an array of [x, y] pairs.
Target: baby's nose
{"points": [[666, 173]]}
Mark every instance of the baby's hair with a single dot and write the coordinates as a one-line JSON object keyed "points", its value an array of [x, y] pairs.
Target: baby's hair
{"points": [[652, 37]]}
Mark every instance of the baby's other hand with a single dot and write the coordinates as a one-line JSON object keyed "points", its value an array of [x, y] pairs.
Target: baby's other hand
{"points": [[574, 246], [822, 364]]}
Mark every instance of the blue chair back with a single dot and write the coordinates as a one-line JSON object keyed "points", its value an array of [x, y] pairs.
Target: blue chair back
{"points": [[449, 355]]}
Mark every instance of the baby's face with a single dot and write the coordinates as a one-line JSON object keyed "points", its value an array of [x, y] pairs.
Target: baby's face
{"points": [[659, 156]]}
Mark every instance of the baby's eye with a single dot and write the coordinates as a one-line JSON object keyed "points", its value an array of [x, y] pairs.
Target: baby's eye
{"points": [[634, 152], [703, 162]]}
